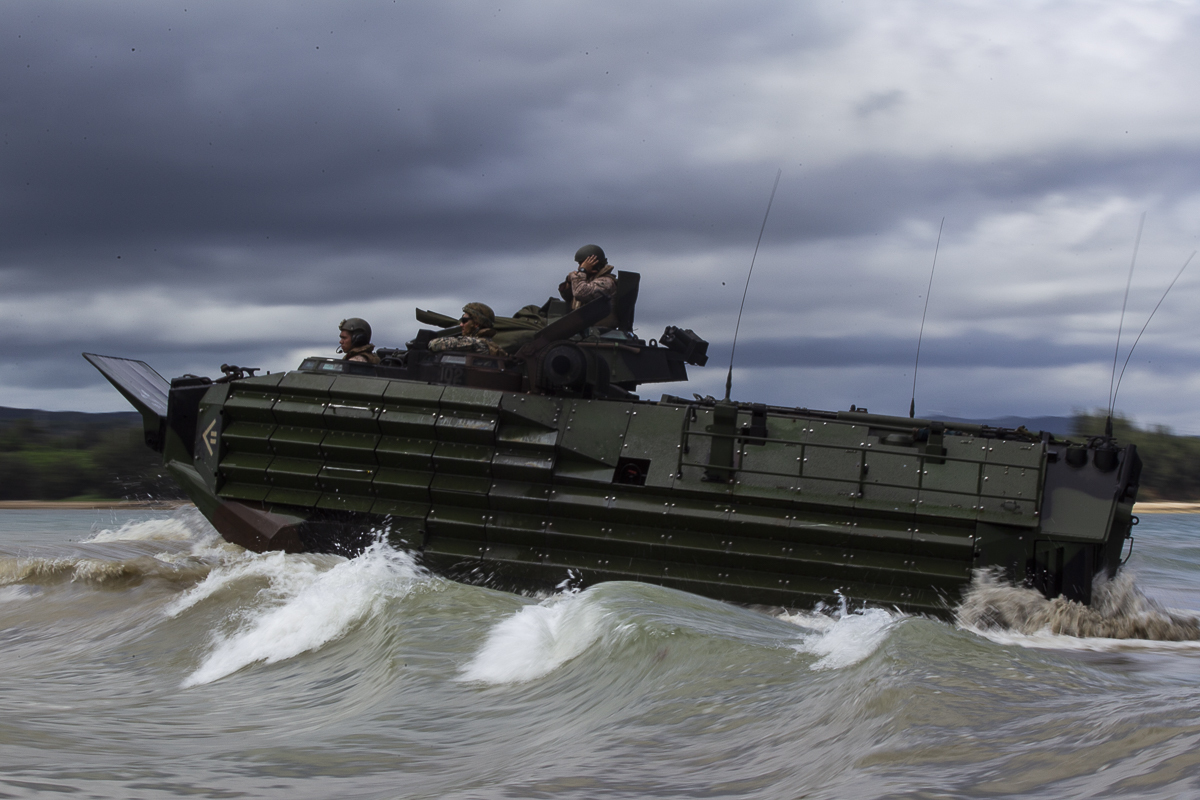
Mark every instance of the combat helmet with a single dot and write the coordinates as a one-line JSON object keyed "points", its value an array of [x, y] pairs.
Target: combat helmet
{"points": [[588, 250], [359, 330]]}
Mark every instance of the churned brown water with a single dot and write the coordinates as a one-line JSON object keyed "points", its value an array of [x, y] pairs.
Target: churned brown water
{"points": [[140, 656]]}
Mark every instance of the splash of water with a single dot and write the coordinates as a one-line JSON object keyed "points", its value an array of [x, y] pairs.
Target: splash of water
{"points": [[1119, 610], [842, 638]]}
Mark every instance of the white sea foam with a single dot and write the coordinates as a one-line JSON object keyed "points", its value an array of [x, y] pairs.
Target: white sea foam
{"points": [[306, 604], [844, 638], [540, 638]]}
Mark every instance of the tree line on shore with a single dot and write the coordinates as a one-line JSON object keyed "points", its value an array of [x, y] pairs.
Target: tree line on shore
{"points": [[47, 455], [1170, 463]]}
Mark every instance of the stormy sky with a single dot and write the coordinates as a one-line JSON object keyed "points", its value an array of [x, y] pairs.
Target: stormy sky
{"points": [[203, 183]]}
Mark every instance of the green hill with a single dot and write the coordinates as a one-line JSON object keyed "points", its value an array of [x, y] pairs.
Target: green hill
{"points": [[58, 455], [1170, 463]]}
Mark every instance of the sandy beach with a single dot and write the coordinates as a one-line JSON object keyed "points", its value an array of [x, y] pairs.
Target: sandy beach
{"points": [[1162, 507], [61, 504], [1166, 507]]}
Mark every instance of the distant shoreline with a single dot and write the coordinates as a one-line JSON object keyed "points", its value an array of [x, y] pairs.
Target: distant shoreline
{"points": [[1165, 507], [32, 505]]}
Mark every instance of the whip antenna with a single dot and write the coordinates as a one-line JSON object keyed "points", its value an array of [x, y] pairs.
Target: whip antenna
{"points": [[1143, 330], [912, 404], [729, 377], [1136, 243]]}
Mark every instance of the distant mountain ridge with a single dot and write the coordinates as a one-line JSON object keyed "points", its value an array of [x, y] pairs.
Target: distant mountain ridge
{"points": [[71, 419], [1059, 426]]}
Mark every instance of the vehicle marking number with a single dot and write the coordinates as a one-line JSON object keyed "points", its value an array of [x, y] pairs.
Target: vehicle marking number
{"points": [[210, 436]]}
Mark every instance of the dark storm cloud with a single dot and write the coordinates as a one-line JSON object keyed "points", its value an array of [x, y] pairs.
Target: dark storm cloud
{"points": [[240, 241], [142, 142], [228, 119]]}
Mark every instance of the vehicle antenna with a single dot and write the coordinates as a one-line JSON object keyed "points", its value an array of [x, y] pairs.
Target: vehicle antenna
{"points": [[1143, 330], [729, 377], [912, 404], [1136, 243]]}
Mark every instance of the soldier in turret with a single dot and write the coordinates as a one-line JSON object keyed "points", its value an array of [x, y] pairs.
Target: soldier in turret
{"points": [[592, 279], [478, 328], [355, 341]]}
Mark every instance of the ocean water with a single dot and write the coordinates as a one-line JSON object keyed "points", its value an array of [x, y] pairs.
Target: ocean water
{"points": [[140, 656]]}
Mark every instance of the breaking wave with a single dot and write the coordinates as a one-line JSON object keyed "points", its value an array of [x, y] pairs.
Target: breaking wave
{"points": [[181, 547], [1119, 610], [177, 528], [186, 526], [540, 638], [94, 571], [307, 602]]}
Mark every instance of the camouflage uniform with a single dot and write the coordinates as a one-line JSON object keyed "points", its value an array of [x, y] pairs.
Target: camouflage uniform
{"points": [[485, 320], [577, 289], [463, 344], [363, 353]]}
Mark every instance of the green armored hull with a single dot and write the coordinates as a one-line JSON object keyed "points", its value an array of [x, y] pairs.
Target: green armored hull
{"points": [[507, 473]]}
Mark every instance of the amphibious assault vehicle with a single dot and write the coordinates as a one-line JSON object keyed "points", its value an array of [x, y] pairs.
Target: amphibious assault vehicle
{"points": [[525, 471]]}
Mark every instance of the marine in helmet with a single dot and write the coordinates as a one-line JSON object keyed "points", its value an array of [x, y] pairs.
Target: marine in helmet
{"points": [[478, 327], [355, 341], [593, 277]]}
